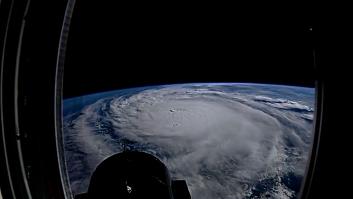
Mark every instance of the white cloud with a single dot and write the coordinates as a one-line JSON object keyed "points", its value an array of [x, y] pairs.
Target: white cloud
{"points": [[283, 104], [219, 144]]}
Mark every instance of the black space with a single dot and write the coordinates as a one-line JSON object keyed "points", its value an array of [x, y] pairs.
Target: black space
{"points": [[112, 46]]}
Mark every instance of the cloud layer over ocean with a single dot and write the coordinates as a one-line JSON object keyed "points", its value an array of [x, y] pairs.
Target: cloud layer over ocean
{"points": [[224, 143]]}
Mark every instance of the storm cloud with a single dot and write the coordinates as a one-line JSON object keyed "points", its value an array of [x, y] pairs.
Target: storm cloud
{"points": [[224, 144]]}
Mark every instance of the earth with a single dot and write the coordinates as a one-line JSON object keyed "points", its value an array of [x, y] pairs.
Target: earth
{"points": [[227, 140]]}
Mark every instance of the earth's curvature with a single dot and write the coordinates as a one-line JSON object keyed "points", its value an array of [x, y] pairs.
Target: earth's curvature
{"points": [[227, 140]]}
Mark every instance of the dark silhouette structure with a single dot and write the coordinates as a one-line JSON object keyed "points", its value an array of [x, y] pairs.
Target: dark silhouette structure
{"points": [[134, 175]]}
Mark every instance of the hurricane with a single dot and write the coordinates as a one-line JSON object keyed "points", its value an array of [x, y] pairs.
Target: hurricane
{"points": [[227, 140]]}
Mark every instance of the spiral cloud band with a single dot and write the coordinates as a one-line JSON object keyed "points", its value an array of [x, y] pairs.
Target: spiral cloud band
{"points": [[225, 140]]}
